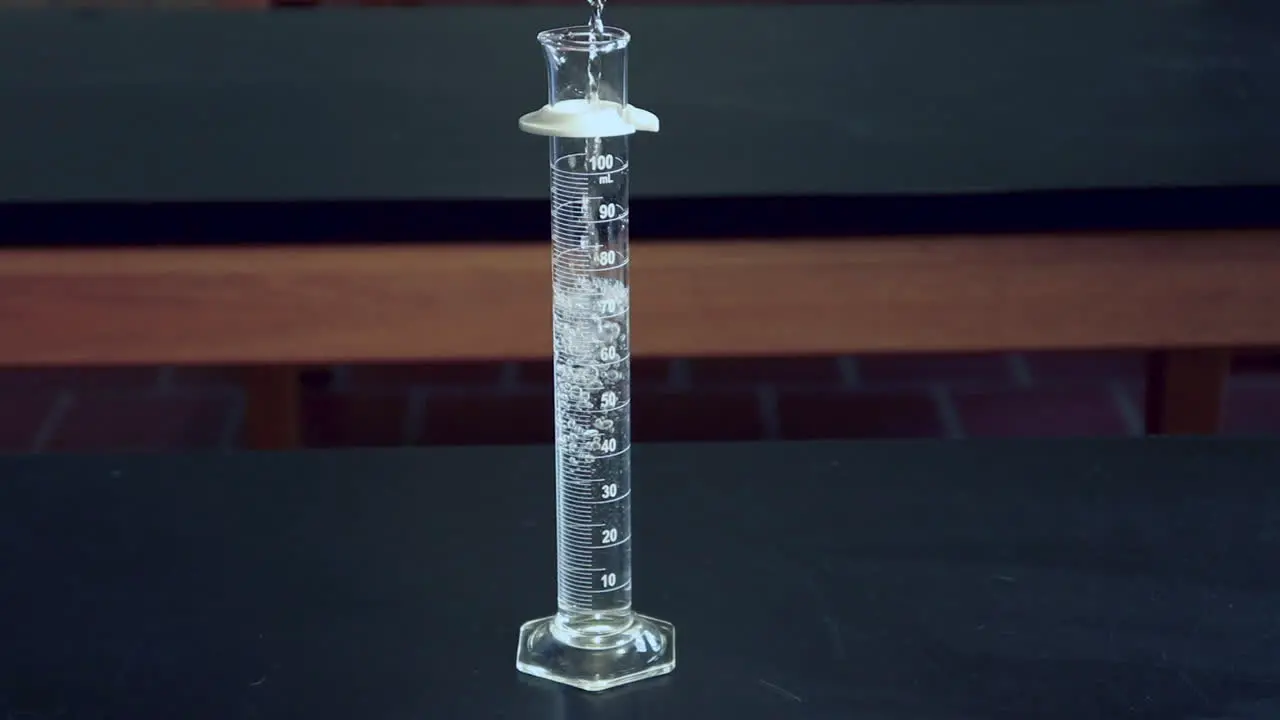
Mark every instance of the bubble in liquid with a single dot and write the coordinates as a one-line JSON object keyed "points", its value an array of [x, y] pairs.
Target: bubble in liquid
{"points": [[609, 332]]}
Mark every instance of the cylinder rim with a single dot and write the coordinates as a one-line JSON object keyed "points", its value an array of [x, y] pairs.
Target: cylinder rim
{"points": [[577, 38]]}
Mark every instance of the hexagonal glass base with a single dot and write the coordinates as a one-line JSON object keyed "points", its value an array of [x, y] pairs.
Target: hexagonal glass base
{"points": [[646, 649]]}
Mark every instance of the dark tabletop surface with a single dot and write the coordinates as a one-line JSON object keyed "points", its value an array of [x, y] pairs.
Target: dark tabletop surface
{"points": [[894, 581], [889, 103]]}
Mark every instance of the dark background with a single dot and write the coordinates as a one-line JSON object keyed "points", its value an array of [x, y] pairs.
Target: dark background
{"points": [[1211, 69]]}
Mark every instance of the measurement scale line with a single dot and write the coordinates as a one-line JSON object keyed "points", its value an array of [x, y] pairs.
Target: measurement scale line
{"points": [[589, 267], [591, 248], [580, 322], [595, 221], [590, 410], [610, 545], [561, 172], [612, 455], [610, 363], [620, 587], [616, 170], [582, 492], [583, 172], [576, 265], [598, 270], [578, 209], [563, 312], [587, 255], [610, 501]]}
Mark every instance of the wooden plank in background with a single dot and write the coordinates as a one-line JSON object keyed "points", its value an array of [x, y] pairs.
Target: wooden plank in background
{"points": [[368, 304]]}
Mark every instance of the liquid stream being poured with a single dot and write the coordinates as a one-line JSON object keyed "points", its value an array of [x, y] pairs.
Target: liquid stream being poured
{"points": [[597, 16], [595, 27]]}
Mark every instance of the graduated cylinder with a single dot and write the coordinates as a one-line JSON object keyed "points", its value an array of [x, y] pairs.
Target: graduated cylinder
{"points": [[591, 298], [594, 640]]}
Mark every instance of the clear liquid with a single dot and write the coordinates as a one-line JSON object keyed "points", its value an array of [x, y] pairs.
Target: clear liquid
{"points": [[593, 436], [597, 16], [595, 26], [591, 343]]}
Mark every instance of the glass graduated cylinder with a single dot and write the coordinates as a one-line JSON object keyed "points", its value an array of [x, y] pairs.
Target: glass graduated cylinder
{"points": [[591, 331], [595, 640]]}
